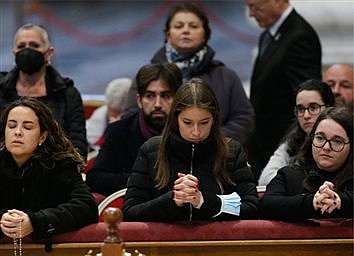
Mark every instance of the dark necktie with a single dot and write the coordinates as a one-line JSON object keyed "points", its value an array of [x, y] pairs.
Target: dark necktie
{"points": [[266, 38]]}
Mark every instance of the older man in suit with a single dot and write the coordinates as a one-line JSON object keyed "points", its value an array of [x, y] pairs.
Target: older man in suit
{"points": [[289, 53]]}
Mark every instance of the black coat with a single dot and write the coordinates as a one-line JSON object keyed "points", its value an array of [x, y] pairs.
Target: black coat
{"points": [[291, 58], [144, 202], [53, 195], [112, 167], [287, 199], [63, 99]]}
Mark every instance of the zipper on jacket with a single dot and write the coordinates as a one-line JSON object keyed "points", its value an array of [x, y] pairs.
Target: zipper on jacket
{"points": [[191, 172]]}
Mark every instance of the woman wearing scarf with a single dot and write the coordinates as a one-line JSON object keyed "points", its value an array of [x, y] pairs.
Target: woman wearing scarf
{"points": [[187, 33]]}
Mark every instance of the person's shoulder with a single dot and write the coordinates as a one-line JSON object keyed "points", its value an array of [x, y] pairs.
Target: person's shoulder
{"points": [[69, 162], [59, 82], [159, 56], [234, 145], [298, 21], [7, 76], [3, 75], [128, 121], [65, 165], [291, 171], [98, 115], [218, 68], [236, 153], [210, 58], [153, 141], [152, 144], [283, 147], [295, 15], [101, 110]]}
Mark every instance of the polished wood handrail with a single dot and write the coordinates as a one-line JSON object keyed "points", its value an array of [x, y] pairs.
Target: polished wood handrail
{"points": [[332, 240], [289, 247]]}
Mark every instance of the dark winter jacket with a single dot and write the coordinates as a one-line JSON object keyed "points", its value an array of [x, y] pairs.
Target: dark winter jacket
{"points": [[287, 199], [144, 202], [63, 99], [53, 195]]}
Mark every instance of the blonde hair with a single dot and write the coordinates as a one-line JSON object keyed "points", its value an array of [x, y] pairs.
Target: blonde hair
{"points": [[39, 28]]}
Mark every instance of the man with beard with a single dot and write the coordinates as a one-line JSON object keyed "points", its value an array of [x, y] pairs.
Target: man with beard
{"points": [[156, 86]]}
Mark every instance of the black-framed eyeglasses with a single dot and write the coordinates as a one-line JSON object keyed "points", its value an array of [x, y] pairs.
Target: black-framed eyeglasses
{"points": [[313, 109], [336, 144]]}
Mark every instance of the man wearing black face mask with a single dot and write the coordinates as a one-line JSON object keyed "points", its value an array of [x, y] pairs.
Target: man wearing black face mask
{"points": [[33, 76]]}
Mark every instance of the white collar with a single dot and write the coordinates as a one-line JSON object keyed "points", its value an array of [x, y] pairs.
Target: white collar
{"points": [[273, 29]]}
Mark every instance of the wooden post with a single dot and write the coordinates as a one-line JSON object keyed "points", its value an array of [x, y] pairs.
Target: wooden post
{"points": [[113, 245]]}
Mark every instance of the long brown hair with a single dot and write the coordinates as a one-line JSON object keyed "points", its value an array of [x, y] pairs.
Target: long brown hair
{"points": [[56, 146], [193, 93]]}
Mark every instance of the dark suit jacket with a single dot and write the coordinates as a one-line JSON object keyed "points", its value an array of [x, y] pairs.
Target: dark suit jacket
{"points": [[112, 167], [292, 57]]}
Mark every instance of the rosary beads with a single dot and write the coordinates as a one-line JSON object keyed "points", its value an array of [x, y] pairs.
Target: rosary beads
{"points": [[18, 242]]}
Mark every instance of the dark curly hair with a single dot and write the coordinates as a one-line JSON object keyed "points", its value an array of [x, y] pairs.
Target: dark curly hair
{"points": [[57, 146]]}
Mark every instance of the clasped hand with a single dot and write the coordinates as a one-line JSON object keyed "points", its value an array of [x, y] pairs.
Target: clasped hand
{"points": [[15, 224], [326, 199], [185, 190]]}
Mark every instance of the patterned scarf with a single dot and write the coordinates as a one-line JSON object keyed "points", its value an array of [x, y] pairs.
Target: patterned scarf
{"points": [[184, 63]]}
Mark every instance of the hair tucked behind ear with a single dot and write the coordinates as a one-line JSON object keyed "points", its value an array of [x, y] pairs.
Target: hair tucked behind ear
{"points": [[56, 146]]}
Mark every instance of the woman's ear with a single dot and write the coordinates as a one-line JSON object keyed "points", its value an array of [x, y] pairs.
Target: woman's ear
{"points": [[167, 36], [43, 137], [49, 55]]}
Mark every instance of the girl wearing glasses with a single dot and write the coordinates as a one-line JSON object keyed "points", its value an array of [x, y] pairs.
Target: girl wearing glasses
{"points": [[312, 97], [321, 184]]}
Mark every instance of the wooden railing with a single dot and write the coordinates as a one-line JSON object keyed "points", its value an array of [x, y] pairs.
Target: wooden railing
{"points": [[240, 238]]}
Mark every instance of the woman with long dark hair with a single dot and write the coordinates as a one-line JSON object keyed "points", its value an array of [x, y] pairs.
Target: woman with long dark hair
{"points": [[312, 97], [192, 171], [42, 191], [321, 184]]}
